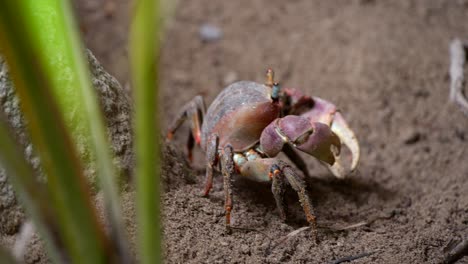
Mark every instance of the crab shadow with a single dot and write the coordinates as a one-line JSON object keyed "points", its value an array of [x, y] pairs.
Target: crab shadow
{"points": [[333, 198], [353, 189]]}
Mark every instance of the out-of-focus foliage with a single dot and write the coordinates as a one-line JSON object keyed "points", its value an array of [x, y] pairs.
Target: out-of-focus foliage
{"points": [[42, 48], [144, 44]]}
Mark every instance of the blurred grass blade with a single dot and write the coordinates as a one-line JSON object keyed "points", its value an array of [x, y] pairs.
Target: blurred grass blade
{"points": [[166, 14], [32, 194], [144, 48], [5, 257], [57, 36], [83, 236]]}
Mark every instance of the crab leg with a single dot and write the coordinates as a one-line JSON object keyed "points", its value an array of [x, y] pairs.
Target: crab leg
{"points": [[195, 110], [277, 171], [190, 145], [212, 160], [278, 189], [299, 185], [296, 159], [228, 169]]}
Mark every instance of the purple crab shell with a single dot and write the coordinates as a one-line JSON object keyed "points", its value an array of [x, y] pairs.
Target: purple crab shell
{"points": [[239, 114]]}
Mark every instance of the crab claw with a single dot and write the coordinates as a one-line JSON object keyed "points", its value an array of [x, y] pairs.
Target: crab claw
{"points": [[322, 143], [316, 139], [326, 112], [341, 128]]}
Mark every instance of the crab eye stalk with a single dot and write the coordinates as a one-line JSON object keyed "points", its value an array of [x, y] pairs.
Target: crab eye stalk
{"points": [[275, 93], [270, 77]]}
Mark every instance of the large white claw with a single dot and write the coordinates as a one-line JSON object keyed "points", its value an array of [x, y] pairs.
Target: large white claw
{"points": [[337, 168], [348, 138]]}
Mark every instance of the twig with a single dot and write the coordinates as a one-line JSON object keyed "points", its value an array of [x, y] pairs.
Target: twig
{"points": [[458, 252], [363, 223], [252, 230], [457, 62], [351, 258], [287, 237]]}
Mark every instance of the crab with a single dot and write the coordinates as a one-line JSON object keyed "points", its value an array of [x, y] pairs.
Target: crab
{"points": [[249, 124]]}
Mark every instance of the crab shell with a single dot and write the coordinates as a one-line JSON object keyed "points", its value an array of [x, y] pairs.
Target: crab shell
{"points": [[239, 114]]}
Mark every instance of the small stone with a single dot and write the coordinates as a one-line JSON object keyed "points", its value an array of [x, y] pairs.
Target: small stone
{"points": [[245, 249], [210, 33], [265, 246], [414, 138], [410, 136], [207, 210], [285, 227]]}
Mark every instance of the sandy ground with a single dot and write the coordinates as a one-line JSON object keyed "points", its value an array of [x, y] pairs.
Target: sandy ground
{"points": [[384, 63]]}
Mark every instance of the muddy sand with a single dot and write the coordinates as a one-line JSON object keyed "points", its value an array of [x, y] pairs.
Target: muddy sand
{"points": [[384, 63]]}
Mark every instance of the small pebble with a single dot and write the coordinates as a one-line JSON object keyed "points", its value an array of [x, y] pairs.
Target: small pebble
{"points": [[285, 227], [207, 210], [265, 246], [245, 249], [410, 136], [210, 33]]}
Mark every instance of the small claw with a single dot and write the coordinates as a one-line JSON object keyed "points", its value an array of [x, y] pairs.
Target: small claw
{"points": [[326, 112], [320, 142], [314, 138], [347, 136]]}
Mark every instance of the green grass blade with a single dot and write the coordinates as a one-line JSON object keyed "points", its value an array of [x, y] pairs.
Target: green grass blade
{"points": [[58, 37], [144, 48], [31, 193], [69, 195], [55, 30]]}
